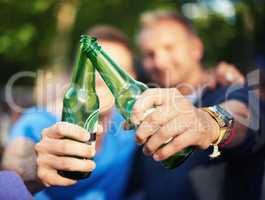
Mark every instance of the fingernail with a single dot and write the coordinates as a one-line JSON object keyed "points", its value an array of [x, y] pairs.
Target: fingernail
{"points": [[156, 157], [47, 185], [146, 151], [93, 152], [94, 166], [138, 140]]}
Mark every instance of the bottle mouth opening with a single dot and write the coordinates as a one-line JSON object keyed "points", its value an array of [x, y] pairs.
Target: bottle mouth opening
{"points": [[88, 43]]}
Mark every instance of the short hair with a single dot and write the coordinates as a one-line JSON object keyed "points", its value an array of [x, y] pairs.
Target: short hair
{"points": [[109, 33], [150, 17]]}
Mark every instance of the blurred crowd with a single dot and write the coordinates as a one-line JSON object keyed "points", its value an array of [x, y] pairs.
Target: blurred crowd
{"points": [[171, 54]]}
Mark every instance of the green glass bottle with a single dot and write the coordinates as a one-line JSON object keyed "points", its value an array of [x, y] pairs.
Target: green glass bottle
{"points": [[80, 103], [125, 90]]}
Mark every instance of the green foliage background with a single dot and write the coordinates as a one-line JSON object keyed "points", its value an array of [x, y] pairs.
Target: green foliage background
{"points": [[28, 30]]}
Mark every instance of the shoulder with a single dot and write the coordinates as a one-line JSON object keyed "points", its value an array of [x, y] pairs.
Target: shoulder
{"points": [[31, 123], [36, 115]]}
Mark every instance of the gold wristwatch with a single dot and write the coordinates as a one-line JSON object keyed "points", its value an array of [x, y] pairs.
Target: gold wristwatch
{"points": [[225, 122]]}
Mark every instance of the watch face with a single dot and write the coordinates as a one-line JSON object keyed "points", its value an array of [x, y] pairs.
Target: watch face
{"points": [[224, 115]]}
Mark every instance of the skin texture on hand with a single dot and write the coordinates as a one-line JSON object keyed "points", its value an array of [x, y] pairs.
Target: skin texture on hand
{"points": [[177, 124], [175, 119], [56, 151], [21, 157]]}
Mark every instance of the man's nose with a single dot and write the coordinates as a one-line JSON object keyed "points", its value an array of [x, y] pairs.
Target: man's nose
{"points": [[161, 60]]}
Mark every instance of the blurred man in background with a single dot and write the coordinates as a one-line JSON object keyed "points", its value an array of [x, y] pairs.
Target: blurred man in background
{"points": [[172, 54]]}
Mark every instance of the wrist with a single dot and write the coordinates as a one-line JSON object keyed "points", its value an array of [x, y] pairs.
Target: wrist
{"points": [[224, 121], [211, 126]]}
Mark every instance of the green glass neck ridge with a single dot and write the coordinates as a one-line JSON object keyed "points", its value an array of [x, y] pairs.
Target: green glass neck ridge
{"points": [[84, 72]]}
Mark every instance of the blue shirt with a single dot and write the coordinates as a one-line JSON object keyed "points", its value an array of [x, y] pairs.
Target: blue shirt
{"points": [[108, 180]]}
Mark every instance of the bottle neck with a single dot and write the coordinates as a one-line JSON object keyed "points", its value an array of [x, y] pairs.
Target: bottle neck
{"points": [[84, 73], [116, 78]]}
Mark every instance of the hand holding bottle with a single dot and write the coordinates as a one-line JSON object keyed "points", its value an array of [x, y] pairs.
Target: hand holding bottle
{"points": [[55, 152], [174, 126]]}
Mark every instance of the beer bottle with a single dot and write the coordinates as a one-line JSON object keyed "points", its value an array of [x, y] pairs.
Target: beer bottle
{"points": [[80, 103], [125, 90]]}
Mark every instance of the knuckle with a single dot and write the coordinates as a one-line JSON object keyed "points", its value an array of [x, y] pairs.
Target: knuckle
{"points": [[59, 127], [40, 148], [44, 132]]}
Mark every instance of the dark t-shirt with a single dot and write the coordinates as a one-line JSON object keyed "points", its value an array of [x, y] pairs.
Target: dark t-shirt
{"points": [[232, 176]]}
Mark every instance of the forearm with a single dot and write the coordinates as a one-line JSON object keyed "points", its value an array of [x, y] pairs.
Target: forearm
{"points": [[25, 167], [240, 113]]}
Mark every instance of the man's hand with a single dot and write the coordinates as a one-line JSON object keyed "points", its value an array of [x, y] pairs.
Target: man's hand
{"points": [[225, 74], [59, 146], [174, 122], [20, 156]]}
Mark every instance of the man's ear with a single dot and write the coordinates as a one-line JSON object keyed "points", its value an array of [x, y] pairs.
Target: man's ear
{"points": [[197, 48]]}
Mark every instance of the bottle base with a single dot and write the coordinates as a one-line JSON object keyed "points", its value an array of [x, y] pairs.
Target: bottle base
{"points": [[177, 159], [75, 175]]}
